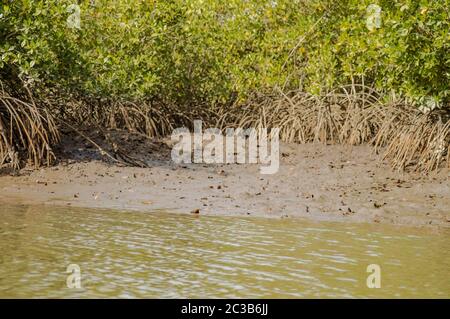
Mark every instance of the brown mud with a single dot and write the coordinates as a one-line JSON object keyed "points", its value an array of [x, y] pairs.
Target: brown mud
{"points": [[315, 181]]}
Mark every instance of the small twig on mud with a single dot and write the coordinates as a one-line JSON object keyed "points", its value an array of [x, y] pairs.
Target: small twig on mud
{"points": [[102, 151], [127, 159]]}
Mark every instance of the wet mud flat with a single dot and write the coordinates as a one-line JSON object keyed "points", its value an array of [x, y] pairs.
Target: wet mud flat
{"points": [[314, 181]]}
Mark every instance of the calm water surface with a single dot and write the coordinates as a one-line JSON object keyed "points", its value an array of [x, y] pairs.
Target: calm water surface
{"points": [[132, 254]]}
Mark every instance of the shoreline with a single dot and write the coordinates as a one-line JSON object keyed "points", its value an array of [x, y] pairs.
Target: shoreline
{"points": [[315, 181]]}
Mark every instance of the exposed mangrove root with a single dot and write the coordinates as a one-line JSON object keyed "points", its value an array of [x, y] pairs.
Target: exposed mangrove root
{"points": [[26, 131], [145, 118], [418, 140], [354, 115]]}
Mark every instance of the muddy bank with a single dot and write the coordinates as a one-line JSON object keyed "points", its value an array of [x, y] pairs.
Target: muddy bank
{"points": [[315, 181]]}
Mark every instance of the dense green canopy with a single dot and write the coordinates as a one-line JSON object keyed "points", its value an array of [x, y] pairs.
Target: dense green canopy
{"points": [[211, 51]]}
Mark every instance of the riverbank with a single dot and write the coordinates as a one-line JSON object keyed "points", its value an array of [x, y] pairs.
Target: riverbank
{"points": [[315, 181]]}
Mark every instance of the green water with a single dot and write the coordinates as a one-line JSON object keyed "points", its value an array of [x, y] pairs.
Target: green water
{"points": [[131, 254]]}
